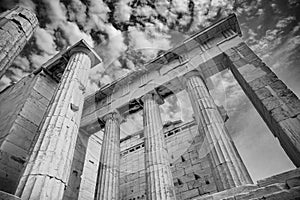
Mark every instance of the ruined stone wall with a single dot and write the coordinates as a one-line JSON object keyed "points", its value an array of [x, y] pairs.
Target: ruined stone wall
{"points": [[21, 111], [189, 164]]}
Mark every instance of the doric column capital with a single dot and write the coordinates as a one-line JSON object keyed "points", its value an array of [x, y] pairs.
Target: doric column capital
{"points": [[186, 77], [192, 74], [189, 75], [113, 115], [83, 47], [155, 96]]}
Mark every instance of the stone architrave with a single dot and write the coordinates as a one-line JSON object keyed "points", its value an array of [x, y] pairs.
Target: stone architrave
{"points": [[228, 168], [109, 166], [159, 181], [275, 102], [47, 171]]}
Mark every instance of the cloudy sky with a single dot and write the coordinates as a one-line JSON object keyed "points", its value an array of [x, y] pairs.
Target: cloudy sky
{"points": [[128, 33]]}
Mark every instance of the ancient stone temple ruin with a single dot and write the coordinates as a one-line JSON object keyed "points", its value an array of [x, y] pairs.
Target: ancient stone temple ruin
{"points": [[56, 143]]}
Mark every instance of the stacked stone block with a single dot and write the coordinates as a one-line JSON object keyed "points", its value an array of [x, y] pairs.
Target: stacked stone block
{"points": [[192, 174], [16, 28], [190, 167], [274, 101], [22, 108]]}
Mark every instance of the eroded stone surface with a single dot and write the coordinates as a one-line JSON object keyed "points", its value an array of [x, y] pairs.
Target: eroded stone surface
{"points": [[17, 27]]}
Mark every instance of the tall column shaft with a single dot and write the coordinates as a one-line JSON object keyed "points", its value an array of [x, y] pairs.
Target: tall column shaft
{"points": [[159, 181], [47, 171], [275, 102], [16, 27], [109, 167], [227, 166]]}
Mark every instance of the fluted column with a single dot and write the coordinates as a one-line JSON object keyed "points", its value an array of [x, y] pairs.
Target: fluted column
{"points": [[109, 167], [47, 171], [159, 181], [228, 168], [16, 28]]}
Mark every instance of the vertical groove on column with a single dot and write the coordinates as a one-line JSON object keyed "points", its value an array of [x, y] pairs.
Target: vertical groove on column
{"points": [[159, 181], [109, 170], [226, 162], [46, 173]]}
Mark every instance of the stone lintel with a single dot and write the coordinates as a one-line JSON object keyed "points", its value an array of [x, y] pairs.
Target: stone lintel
{"points": [[169, 75], [229, 22], [135, 102]]}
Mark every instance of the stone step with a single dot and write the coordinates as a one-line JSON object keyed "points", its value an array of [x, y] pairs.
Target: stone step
{"points": [[262, 192], [280, 178], [288, 190]]}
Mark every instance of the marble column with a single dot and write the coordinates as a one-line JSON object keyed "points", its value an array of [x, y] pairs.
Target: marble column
{"points": [[109, 166], [16, 28], [47, 171], [159, 181], [228, 169]]}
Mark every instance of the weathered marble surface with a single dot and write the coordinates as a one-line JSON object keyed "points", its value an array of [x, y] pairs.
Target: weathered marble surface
{"points": [[109, 169], [47, 171], [159, 181], [228, 168], [17, 27]]}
